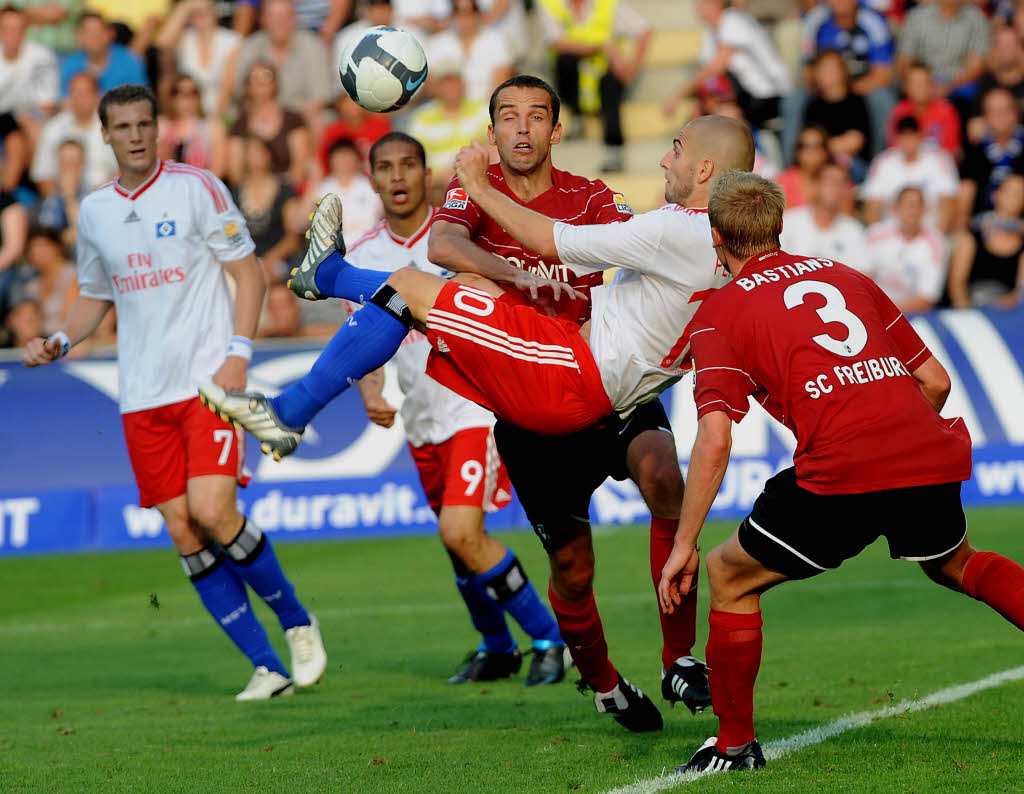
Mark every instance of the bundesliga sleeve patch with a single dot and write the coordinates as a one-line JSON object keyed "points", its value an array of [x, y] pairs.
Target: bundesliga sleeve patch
{"points": [[456, 199], [233, 233], [621, 204]]}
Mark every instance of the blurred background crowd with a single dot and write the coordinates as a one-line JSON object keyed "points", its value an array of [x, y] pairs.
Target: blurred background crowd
{"points": [[893, 127]]}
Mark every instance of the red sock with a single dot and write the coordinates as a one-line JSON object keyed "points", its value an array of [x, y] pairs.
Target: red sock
{"points": [[580, 625], [999, 582], [678, 630], [734, 656]]}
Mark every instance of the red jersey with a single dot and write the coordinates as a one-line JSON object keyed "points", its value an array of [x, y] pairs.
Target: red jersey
{"points": [[572, 199], [827, 354]]}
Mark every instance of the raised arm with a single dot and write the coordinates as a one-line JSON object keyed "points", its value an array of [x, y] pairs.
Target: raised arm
{"points": [[708, 462], [533, 230]]}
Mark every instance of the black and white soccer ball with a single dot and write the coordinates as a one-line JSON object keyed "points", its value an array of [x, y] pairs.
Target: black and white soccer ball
{"points": [[383, 69]]}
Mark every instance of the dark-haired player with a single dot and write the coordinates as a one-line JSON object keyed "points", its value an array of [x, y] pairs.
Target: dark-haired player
{"points": [[155, 243], [525, 125], [452, 442], [823, 349]]}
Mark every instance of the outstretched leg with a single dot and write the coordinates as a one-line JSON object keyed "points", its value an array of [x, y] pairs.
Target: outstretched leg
{"points": [[983, 575]]}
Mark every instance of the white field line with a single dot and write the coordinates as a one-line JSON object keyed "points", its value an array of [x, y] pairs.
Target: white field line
{"points": [[791, 744], [14, 627]]}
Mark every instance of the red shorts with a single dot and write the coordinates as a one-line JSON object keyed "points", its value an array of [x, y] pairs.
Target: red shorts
{"points": [[532, 371], [171, 444], [465, 470]]}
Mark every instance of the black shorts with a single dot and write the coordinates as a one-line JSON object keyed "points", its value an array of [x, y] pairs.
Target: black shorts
{"points": [[800, 534], [555, 476]]}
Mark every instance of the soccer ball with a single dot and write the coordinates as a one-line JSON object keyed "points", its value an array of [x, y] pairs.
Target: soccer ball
{"points": [[383, 69]]}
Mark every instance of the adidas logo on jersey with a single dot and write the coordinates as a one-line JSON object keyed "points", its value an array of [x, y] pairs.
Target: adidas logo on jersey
{"points": [[442, 346], [132, 217]]}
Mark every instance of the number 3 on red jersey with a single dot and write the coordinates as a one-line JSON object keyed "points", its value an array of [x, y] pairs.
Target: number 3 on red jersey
{"points": [[834, 311]]}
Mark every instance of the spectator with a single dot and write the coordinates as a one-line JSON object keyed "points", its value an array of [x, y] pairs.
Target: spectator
{"points": [[912, 162], [1005, 69], [323, 17], [937, 118], [998, 154], [372, 13], [447, 122], [422, 17], [987, 266], [14, 154], [28, 74], [356, 124], [363, 208], [842, 113], [109, 64], [266, 202], [861, 35], [55, 282], [591, 72], [508, 18], [907, 256], [282, 129], [799, 179], [482, 53], [58, 211], [21, 316], [820, 228], [952, 38], [52, 23], [299, 57], [203, 49], [13, 230], [282, 315], [734, 44], [78, 122], [186, 135]]}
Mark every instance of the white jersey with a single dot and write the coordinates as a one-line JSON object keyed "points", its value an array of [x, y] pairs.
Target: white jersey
{"points": [[638, 322], [905, 268], [431, 413], [156, 253]]}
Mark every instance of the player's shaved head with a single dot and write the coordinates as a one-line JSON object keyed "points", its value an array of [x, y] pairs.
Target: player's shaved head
{"points": [[726, 141], [704, 148]]}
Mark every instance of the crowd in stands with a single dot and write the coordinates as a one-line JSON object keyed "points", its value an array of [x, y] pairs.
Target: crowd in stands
{"points": [[896, 134]]}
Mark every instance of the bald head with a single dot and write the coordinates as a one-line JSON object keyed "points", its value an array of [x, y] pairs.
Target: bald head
{"points": [[706, 147], [724, 140]]}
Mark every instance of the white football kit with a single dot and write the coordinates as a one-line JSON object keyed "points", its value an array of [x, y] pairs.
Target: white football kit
{"points": [[431, 413], [156, 253], [638, 322]]}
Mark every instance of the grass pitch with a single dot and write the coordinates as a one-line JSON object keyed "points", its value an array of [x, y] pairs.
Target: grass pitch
{"points": [[116, 680]]}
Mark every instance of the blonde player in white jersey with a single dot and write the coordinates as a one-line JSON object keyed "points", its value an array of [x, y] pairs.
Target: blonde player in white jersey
{"points": [[452, 443], [534, 371], [156, 243]]}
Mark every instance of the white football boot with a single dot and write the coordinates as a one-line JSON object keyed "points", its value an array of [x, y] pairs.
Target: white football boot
{"points": [[252, 411], [265, 685], [325, 238], [309, 657]]}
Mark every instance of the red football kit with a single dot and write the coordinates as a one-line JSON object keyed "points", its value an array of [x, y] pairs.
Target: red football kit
{"points": [[572, 199], [827, 354]]}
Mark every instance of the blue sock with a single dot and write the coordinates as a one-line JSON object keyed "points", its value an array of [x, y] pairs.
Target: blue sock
{"points": [[487, 616], [337, 278], [223, 594], [367, 340], [506, 582], [254, 560]]}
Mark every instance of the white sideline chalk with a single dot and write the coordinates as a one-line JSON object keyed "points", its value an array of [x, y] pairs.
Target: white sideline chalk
{"points": [[781, 747]]}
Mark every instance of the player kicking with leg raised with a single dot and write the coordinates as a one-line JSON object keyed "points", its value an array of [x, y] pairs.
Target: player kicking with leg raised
{"points": [[823, 349], [524, 127], [155, 244], [452, 443], [543, 374]]}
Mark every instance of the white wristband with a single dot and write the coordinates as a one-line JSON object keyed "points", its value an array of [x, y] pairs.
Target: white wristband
{"points": [[240, 346], [61, 339]]}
